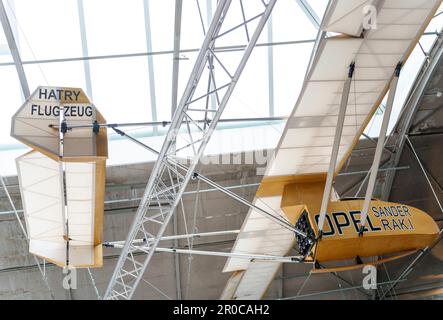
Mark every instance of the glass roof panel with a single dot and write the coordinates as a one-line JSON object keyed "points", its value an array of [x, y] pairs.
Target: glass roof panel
{"points": [[11, 99], [289, 74], [254, 79], [121, 89], [192, 33], [46, 29], [163, 85], [121, 86], [114, 27], [162, 24], [69, 73], [290, 23], [5, 54]]}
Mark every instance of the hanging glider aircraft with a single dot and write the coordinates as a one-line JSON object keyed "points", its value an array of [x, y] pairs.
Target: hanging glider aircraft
{"points": [[62, 179], [354, 64]]}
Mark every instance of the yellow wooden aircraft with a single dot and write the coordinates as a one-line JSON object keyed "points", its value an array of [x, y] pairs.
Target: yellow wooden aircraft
{"points": [[357, 59]]}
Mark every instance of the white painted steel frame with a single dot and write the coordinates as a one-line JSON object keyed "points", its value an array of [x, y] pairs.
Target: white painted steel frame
{"points": [[152, 223]]}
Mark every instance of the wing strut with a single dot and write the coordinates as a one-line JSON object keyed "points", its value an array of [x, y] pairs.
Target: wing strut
{"points": [[335, 149], [380, 146]]}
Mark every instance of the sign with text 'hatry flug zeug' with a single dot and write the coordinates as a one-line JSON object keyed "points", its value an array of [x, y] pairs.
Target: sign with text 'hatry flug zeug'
{"points": [[62, 180], [36, 122]]}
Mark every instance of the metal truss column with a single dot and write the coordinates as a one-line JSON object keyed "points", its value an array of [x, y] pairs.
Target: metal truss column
{"points": [[167, 182]]}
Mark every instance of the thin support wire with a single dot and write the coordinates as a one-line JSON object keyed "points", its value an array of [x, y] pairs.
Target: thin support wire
{"points": [[425, 173], [42, 271], [191, 244], [201, 17], [156, 289], [304, 284], [94, 284], [389, 279], [27, 42]]}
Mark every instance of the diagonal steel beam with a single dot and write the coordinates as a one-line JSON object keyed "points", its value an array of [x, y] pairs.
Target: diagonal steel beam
{"points": [[310, 13], [410, 109], [176, 54], [85, 52], [14, 50], [148, 33]]}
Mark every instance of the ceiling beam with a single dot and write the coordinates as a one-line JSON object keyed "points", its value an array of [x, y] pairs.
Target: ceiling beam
{"points": [[85, 51], [176, 54], [309, 12], [14, 50], [409, 111], [148, 34]]}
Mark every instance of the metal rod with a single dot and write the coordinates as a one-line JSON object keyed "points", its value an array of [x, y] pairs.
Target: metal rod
{"points": [[379, 170], [249, 185], [232, 48], [176, 237], [176, 54], [84, 41], [271, 99], [310, 13], [279, 220], [252, 257], [422, 253], [335, 148], [380, 147], [162, 123], [330, 291], [425, 174], [97, 293], [375, 142], [148, 38]]}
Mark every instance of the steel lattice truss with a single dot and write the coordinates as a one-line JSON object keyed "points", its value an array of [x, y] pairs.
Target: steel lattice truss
{"points": [[187, 137]]}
